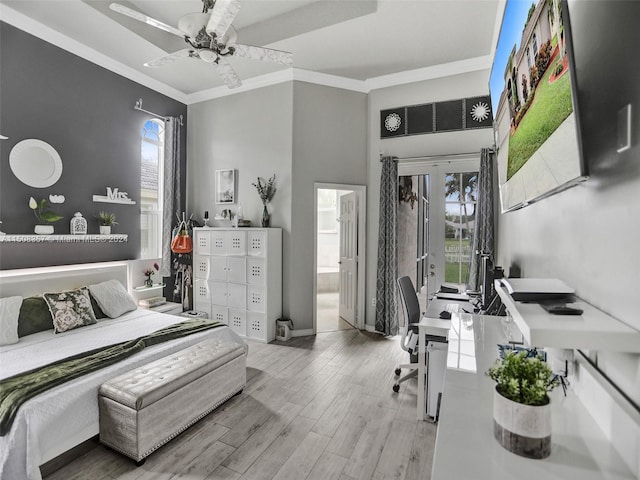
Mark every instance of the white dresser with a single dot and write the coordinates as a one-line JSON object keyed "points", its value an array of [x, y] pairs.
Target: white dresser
{"points": [[238, 278]]}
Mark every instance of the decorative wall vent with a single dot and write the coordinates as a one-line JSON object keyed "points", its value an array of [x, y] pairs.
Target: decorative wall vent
{"points": [[452, 115]]}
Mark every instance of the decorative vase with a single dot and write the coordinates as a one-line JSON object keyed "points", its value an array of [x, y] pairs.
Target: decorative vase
{"points": [[78, 224], [266, 217], [43, 229], [522, 429], [148, 282], [105, 229]]}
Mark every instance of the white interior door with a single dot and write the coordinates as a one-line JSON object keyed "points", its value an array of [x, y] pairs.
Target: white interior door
{"points": [[348, 256]]}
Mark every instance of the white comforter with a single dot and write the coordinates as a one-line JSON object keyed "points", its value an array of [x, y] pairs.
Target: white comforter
{"points": [[65, 416]]}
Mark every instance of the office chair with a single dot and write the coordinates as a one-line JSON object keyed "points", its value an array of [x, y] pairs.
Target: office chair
{"points": [[409, 339]]}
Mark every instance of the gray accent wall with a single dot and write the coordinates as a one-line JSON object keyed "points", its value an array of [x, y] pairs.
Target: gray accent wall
{"points": [[303, 133], [86, 113], [588, 235]]}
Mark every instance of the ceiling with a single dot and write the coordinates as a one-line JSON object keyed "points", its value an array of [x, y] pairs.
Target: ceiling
{"points": [[364, 44]]}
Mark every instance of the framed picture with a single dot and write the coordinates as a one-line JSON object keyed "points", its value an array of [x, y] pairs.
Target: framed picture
{"points": [[225, 186]]}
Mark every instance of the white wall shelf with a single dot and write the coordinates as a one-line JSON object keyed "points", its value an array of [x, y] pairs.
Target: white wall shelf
{"points": [[29, 238], [144, 288], [594, 329]]}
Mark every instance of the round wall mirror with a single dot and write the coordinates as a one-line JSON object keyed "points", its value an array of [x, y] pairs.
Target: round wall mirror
{"points": [[35, 163]]}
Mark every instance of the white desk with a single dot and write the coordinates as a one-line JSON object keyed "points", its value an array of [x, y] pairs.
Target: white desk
{"points": [[432, 324], [465, 447]]}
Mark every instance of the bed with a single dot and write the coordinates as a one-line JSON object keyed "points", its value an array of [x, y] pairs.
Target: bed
{"points": [[67, 415]]}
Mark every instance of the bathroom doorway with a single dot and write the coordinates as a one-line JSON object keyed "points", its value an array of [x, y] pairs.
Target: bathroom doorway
{"points": [[339, 246]]}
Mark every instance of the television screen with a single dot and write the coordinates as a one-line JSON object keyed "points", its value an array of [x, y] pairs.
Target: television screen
{"points": [[534, 103]]}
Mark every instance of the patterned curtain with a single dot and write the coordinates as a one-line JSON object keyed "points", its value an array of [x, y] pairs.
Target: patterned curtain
{"points": [[483, 237], [171, 200], [386, 305]]}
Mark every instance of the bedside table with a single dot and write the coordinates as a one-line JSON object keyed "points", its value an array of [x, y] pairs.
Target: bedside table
{"points": [[169, 308]]}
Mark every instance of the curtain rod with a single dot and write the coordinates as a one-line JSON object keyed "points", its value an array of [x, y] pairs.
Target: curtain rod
{"points": [[444, 156], [138, 106]]}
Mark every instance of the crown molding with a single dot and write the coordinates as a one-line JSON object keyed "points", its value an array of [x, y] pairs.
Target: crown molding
{"points": [[282, 76], [430, 73], [260, 81], [43, 32], [330, 80]]}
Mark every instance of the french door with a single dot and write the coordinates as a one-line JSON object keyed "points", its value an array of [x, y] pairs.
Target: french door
{"points": [[447, 194]]}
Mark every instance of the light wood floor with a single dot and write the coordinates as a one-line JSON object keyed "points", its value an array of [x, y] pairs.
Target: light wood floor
{"points": [[315, 408]]}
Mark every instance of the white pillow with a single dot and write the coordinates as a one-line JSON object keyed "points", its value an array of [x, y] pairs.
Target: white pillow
{"points": [[112, 298], [9, 312]]}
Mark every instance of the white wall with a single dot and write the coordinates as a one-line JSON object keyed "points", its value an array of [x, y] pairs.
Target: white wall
{"points": [[303, 133], [449, 88], [329, 146], [250, 132]]}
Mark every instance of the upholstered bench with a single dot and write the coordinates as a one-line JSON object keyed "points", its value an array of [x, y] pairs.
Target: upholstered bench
{"points": [[143, 409]]}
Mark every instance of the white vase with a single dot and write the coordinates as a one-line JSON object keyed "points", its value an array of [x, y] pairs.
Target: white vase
{"points": [[105, 229], [43, 229], [522, 429]]}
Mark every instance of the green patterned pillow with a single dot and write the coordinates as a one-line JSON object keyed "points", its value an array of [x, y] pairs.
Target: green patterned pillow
{"points": [[70, 309]]}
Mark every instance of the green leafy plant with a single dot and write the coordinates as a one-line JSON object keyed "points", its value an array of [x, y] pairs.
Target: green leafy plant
{"points": [[106, 219], [40, 210], [523, 378], [266, 189]]}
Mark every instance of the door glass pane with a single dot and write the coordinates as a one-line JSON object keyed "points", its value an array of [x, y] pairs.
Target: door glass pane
{"points": [[460, 207]]}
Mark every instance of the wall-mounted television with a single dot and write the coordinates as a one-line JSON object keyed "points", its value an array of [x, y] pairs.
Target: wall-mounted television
{"points": [[533, 94]]}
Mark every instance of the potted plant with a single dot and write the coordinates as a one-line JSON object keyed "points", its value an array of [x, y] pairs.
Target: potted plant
{"points": [[106, 220], [521, 404], [45, 217], [149, 272], [266, 190]]}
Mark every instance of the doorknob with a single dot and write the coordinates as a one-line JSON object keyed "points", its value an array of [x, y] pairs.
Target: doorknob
{"points": [[432, 274]]}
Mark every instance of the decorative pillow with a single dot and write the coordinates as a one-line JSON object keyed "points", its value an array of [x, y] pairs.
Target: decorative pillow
{"points": [[9, 312], [70, 309], [97, 311], [112, 298], [34, 317]]}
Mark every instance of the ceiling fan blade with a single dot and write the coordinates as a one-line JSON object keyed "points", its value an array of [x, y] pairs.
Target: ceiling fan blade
{"points": [[260, 53], [222, 15], [141, 17], [228, 74], [159, 62]]}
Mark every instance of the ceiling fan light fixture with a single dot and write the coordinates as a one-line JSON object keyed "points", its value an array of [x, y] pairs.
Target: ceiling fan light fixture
{"points": [[192, 23], [208, 56]]}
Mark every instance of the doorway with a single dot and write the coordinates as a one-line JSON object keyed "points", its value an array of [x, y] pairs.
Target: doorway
{"points": [[339, 245], [437, 231]]}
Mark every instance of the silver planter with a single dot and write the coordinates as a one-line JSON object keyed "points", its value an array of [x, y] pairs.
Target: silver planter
{"points": [[522, 429]]}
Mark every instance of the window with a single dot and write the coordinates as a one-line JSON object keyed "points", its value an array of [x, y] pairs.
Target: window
{"points": [[535, 43], [328, 211], [151, 188], [528, 59], [461, 190]]}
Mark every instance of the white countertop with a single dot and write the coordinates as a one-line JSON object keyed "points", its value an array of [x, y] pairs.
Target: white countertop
{"points": [[465, 446]]}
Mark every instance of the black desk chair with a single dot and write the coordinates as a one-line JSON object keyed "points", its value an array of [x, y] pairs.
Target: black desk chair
{"points": [[409, 339]]}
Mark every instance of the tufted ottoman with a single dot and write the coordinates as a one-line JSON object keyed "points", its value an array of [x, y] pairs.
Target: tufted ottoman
{"points": [[143, 409]]}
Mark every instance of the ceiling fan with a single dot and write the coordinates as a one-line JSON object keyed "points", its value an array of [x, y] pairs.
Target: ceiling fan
{"points": [[211, 38]]}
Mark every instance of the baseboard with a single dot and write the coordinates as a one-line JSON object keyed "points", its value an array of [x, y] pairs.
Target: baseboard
{"points": [[371, 328], [302, 333]]}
